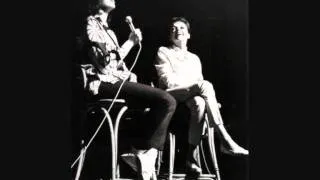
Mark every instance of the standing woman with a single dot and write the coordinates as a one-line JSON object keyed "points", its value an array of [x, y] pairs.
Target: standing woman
{"points": [[107, 71]]}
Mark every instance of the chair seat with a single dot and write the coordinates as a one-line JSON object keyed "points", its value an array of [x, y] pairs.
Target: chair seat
{"points": [[110, 100], [177, 176], [106, 102]]}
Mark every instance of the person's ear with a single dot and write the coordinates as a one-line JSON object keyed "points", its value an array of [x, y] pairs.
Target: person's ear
{"points": [[188, 36]]}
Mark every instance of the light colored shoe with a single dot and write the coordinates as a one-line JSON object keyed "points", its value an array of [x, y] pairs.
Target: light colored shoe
{"points": [[147, 165], [235, 151]]}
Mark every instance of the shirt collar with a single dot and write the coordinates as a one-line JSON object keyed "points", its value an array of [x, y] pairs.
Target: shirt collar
{"points": [[97, 16], [175, 48]]}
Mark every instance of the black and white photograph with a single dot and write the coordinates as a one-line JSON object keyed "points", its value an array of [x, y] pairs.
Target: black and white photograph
{"points": [[160, 90]]}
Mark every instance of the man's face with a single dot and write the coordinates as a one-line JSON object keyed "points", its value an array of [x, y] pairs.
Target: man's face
{"points": [[179, 32]]}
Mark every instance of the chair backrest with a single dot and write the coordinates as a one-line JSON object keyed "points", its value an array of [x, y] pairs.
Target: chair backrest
{"points": [[78, 85], [84, 77], [81, 55]]}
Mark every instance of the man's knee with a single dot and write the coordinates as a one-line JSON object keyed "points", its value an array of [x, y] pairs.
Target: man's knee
{"points": [[169, 102]]}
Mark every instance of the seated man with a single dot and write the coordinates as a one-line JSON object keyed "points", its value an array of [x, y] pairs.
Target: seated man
{"points": [[107, 73], [180, 73]]}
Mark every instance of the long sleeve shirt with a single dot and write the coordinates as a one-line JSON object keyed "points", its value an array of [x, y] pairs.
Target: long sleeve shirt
{"points": [[177, 68], [105, 54]]}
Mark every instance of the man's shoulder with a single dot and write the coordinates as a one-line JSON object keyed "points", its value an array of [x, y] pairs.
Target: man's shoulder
{"points": [[90, 18]]}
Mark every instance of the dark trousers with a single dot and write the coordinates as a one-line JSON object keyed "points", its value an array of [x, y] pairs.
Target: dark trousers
{"points": [[162, 106]]}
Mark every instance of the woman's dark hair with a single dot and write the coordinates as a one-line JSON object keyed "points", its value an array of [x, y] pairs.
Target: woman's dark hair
{"points": [[181, 19]]}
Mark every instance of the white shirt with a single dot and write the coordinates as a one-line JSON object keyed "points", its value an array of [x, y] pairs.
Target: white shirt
{"points": [[177, 68]]}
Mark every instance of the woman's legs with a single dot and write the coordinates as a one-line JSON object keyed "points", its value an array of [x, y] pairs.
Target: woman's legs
{"points": [[197, 105], [197, 108], [206, 90]]}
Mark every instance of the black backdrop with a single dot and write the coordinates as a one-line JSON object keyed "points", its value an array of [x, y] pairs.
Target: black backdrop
{"points": [[282, 83], [219, 35]]}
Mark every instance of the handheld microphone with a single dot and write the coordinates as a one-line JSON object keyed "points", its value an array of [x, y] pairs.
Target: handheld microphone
{"points": [[129, 21]]}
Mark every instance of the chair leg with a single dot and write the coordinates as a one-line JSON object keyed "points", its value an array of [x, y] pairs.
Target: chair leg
{"points": [[81, 162], [172, 140], [116, 131], [198, 156], [204, 157], [159, 162], [213, 152], [113, 147]]}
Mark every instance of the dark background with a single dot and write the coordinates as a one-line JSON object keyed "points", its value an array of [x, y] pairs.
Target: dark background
{"points": [[219, 35], [35, 87]]}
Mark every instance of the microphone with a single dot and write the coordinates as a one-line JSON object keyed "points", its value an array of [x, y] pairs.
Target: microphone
{"points": [[129, 21]]}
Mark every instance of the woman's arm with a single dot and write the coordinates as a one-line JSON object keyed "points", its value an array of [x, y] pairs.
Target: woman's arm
{"points": [[167, 76]]}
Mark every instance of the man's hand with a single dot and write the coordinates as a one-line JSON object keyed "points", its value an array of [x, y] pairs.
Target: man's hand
{"points": [[135, 36], [133, 78], [126, 75]]}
